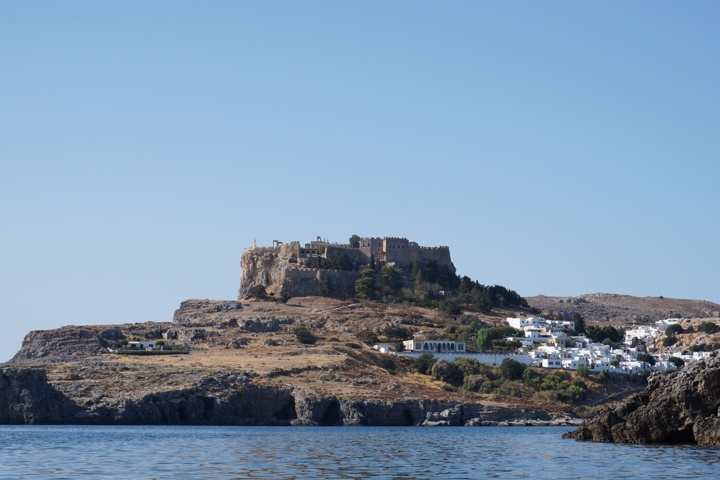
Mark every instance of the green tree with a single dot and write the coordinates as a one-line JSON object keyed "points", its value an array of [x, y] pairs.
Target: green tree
{"points": [[447, 372], [448, 308], [646, 357], [674, 329], [393, 277], [709, 327], [469, 366], [579, 322], [583, 371], [365, 285], [485, 337], [679, 362], [355, 241], [512, 369], [424, 363]]}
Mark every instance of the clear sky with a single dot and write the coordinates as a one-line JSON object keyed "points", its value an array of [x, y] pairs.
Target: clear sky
{"points": [[557, 147]]}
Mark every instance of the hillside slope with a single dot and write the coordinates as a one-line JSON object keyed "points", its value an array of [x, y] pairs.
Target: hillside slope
{"points": [[604, 308], [246, 366]]}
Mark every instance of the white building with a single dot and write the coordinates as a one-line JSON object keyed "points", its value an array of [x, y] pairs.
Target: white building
{"points": [[434, 346], [522, 323], [645, 333], [141, 345]]}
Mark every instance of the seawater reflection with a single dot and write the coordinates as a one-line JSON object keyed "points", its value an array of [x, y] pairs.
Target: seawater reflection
{"points": [[338, 453]]}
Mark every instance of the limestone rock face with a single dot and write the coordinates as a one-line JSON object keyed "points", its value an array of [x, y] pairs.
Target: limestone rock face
{"points": [[264, 266], [678, 408], [280, 270], [205, 311], [27, 398]]}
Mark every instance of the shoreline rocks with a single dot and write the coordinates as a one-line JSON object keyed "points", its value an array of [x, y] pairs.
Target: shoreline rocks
{"points": [[681, 407]]}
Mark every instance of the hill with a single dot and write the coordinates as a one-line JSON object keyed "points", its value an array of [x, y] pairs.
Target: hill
{"points": [[608, 308], [247, 366]]}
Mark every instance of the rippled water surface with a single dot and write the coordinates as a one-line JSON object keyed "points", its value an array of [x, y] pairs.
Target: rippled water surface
{"points": [[318, 453]]}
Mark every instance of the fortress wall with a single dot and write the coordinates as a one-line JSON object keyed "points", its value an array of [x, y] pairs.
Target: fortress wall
{"points": [[396, 249], [356, 255], [426, 254], [342, 282], [301, 282], [371, 246], [289, 249]]}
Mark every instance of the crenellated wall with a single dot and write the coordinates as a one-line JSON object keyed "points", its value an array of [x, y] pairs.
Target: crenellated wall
{"points": [[283, 268]]}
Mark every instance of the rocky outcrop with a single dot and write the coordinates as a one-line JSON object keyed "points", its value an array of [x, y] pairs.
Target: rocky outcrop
{"points": [[205, 311], [681, 407]]}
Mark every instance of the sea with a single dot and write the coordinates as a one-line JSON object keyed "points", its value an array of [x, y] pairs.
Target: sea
{"points": [[177, 452]]}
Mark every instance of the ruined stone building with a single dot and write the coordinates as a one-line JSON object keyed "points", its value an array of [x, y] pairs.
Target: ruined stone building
{"points": [[295, 269]]}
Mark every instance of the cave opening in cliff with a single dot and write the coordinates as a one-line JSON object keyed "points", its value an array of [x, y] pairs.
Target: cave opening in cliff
{"points": [[409, 422], [332, 415], [287, 412], [208, 404], [685, 435]]}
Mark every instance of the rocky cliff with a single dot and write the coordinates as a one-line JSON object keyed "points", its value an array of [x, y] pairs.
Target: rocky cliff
{"points": [[681, 407], [26, 397]]}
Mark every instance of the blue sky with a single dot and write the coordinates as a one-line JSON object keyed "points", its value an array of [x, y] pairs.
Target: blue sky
{"points": [[558, 148]]}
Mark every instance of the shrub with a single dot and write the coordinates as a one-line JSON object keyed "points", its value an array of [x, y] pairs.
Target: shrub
{"points": [[368, 337], [669, 341], [531, 378], [257, 291], [447, 372], [508, 389], [353, 345], [303, 335], [449, 308], [424, 363], [709, 327], [674, 329], [386, 362], [603, 377], [399, 333], [583, 371], [574, 393], [512, 369], [474, 383], [469, 366]]}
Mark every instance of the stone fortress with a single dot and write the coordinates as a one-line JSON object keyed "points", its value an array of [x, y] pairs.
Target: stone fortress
{"points": [[293, 269]]}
